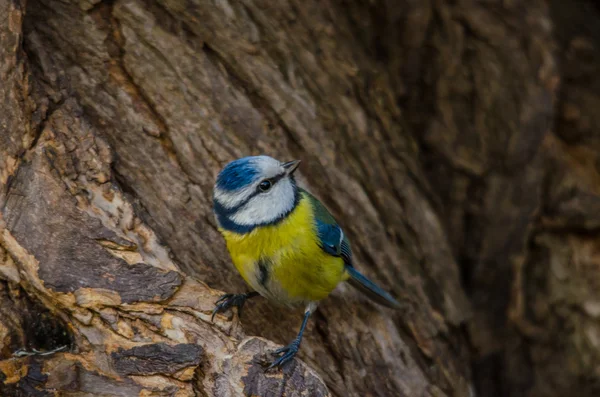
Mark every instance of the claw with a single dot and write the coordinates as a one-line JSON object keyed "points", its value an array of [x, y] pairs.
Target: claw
{"points": [[289, 352], [223, 298], [279, 351], [214, 312], [286, 353], [227, 301]]}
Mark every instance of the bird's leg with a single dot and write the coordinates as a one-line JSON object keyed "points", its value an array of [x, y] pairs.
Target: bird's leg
{"points": [[288, 352], [227, 301]]}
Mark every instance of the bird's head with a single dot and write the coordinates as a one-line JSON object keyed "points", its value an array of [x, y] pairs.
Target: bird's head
{"points": [[253, 191]]}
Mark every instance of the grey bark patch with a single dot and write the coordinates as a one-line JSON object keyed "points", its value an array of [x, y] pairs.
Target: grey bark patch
{"points": [[68, 377], [45, 220], [91, 383], [29, 385], [158, 358], [296, 381]]}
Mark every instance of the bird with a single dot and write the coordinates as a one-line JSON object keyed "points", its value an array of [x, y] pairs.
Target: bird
{"points": [[283, 241]]}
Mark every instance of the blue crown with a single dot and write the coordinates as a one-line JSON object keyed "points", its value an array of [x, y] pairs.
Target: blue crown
{"points": [[237, 174]]}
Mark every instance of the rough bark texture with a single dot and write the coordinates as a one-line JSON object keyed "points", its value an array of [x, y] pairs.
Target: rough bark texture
{"points": [[457, 143]]}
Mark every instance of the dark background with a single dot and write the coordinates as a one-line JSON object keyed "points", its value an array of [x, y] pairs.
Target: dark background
{"points": [[457, 143]]}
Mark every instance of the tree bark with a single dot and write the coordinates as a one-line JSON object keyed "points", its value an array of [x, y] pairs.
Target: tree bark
{"points": [[455, 142]]}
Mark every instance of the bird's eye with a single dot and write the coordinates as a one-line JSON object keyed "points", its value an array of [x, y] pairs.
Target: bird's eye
{"points": [[265, 185]]}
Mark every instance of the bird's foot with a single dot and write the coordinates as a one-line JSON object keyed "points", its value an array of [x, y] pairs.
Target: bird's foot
{"points": [[286, 354], [228, 301]]}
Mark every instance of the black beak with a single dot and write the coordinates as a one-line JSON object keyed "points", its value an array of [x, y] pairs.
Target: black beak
{"points": [[290, 166]]}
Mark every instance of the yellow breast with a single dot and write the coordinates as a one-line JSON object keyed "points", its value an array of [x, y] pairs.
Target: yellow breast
{"points": [[284, 261]]}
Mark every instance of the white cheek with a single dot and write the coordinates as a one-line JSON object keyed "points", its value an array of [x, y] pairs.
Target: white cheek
{"points": [[265, 208], [231, 199]]}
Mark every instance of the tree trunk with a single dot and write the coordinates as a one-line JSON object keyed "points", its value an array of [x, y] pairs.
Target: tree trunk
{"points": [[456, 142]]}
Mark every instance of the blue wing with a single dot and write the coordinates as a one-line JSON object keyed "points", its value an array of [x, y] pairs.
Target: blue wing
{"points": [[331, 237], [333, 241]]}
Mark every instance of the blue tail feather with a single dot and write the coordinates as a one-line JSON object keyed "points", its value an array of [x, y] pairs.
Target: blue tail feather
{"points": [[370, 289]]}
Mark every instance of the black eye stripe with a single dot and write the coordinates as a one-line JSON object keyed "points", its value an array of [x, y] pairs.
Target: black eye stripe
{"points": [[225, 213], [239, 206], [273, 181], [277, 178]]}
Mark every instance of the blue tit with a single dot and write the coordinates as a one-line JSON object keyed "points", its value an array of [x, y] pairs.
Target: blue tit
{"points": [[283, 241]]}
